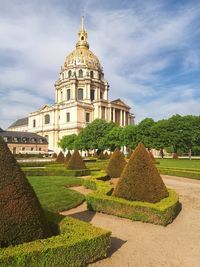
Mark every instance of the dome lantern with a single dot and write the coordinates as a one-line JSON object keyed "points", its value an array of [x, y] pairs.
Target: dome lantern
{"points": [[82, 37]]}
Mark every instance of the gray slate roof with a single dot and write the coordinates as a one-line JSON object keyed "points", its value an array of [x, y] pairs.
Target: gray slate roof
{"points": [[22, 137], [20, 122]]}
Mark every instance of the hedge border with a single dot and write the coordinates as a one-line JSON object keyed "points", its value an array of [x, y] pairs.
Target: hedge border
{"points": [[180, 173], [55, 172], [78, 244], [162, 213]]}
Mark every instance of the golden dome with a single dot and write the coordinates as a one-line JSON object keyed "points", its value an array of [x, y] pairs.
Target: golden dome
{"points": [[82, 55]]}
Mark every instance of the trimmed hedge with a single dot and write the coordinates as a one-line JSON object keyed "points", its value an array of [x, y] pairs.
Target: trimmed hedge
{"points": [[78, 244], [162, 212], [56, 171], [180, 173], [37, 163]]}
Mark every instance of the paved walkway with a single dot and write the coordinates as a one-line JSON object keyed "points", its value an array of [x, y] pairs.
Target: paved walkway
{"points": [[137, 244]]}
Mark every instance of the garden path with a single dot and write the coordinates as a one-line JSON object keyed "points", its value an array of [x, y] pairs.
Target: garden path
{"points": [[137, 244]]}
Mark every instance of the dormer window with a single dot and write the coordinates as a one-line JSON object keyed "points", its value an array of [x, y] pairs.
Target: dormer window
{"points": [[82, 38]]}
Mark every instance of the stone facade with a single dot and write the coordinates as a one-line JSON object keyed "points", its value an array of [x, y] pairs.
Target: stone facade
{"points": [[81, 96]]}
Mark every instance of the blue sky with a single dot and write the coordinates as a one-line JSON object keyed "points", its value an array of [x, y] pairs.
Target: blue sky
{"points": [[150, 52]]}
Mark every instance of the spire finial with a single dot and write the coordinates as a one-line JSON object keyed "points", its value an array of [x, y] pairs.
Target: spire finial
{"points": [[83, 28]]}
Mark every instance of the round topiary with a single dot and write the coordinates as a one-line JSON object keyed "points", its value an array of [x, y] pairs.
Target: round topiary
{"points": [[116, 164], [76, 162], [21, 216], [140, 180], [67, 158], [60, 157]]}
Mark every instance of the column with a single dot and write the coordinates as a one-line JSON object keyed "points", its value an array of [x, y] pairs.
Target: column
{"points": [[120, 118], [113, 114], [124, 117]]}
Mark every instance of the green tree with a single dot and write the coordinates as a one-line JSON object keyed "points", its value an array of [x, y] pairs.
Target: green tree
{"points": [[93, 136], [129, 135], [114, 138], [68, 142], [144, 132]]}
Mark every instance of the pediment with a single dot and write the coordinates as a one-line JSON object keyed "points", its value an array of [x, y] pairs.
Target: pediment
{"points": [[119, 102]]}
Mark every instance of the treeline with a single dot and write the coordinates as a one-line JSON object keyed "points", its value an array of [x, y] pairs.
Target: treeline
{"points": [[178, 134]]}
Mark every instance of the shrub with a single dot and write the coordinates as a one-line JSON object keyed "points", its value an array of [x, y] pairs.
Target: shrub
{"points": [[140, 180], [116, 164], [22, 218], [107, 156], [76, 162], [60, 157], [67, 158], [78, 244]]}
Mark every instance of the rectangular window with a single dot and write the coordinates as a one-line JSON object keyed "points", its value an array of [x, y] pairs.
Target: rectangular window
{"points": [[80, 94], [68, 117], [31, 148], [34, 123], [23, 148], [87, 117], [68, 94], [92, 94], [101, 95]]}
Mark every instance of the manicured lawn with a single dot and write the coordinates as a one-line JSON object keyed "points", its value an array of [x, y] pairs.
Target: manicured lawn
{"points": [[53, 194], [179, 163]]}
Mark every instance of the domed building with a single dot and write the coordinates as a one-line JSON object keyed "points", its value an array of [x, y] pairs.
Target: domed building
{"points": [[81, 96]]}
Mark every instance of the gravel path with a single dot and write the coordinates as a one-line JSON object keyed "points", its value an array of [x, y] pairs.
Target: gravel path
{"points": [[137, 244]]}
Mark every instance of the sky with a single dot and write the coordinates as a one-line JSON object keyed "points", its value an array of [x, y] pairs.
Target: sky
{"points": [[149, 50]]}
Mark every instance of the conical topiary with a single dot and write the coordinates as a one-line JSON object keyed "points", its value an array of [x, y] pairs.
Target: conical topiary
{"points": [[54, 156], [175, 156], [116, 164], [106, 155], [60, 157], [152, 156], [129, 154], [67, 158], [140, 180], [21, 216], [76, 162], [102, 156]]}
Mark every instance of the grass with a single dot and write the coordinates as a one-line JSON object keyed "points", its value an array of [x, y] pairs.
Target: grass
{"points": [[53, 194], [180, 163]]}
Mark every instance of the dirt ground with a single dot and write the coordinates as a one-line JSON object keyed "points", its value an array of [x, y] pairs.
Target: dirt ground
{"points": [[137, 244]]}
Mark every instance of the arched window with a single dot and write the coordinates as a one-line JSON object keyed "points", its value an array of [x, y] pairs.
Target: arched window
{"points": [[47, 119], [69, 73], [91, 74], [80, 94], [82, 38], [80, 74]]}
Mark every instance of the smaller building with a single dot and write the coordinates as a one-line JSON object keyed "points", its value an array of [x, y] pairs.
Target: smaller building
{"points": [[24, 142]]}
